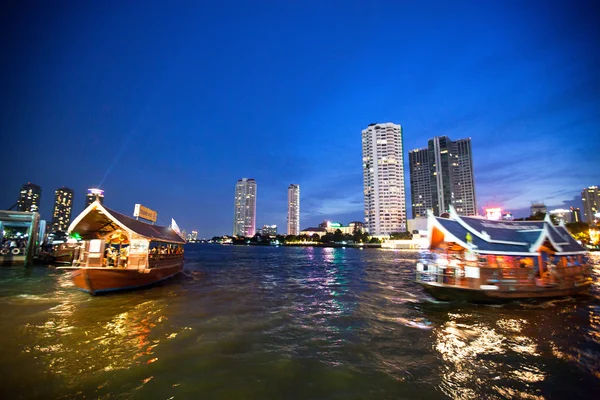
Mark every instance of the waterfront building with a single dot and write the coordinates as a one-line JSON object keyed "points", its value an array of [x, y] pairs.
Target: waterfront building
{"points": [[383, 179], [268, 230], [293, 216], [63, 205], [420, 185], [312, 231], [92, 195], [590, 197], [29, 198], [244, 212], [442, 175], [538, 208], [356, 226]]}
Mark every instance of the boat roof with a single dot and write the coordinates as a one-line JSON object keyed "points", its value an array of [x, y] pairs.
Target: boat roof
{"points": [[97, 220], [501, 237]]}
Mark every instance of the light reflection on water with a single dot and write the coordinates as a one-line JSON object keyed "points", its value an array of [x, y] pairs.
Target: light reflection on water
{"points": [[290, 323]]}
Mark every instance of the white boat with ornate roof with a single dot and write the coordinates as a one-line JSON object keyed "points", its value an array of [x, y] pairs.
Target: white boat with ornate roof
{"points": [[482, 260]]}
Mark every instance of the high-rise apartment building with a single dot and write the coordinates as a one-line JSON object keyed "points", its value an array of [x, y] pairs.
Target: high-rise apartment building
{"points": [[442, 174], [92, 195], [29, 198], [63, 205], [383, 179], [293, 215], [590, 197], [244, 212]]}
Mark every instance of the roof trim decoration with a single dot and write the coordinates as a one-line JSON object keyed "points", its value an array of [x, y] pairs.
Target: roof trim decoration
{"points": [[502, 237], [129, 224]]}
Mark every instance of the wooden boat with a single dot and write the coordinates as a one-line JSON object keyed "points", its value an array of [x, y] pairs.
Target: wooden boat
{"points": [[118, 252], [481, 260]]}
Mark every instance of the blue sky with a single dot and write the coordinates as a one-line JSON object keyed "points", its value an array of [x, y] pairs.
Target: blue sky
{"points": [[169, 105]]}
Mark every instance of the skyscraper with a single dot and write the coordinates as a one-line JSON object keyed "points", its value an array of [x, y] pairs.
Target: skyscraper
{"points": [[450, 177], [63, 204], [590, 197], [92, 195], [420, 186], [29, 199], [244, 212], [293, 215], [383, 179]]}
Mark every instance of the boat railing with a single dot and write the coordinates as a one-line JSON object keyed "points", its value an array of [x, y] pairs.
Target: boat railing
{"points": [[155, 259], [476, 275]]}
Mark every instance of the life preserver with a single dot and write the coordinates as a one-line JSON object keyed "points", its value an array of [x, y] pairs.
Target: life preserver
{"points": [[16, 250], [4, 251]]}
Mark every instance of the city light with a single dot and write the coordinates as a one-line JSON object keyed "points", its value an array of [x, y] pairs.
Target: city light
{"points": [[493, 213]]}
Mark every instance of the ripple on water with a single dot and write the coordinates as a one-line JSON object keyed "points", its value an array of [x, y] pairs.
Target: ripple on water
{"points": [[248, 322]]}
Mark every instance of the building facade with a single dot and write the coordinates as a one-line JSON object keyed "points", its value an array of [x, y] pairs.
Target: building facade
{"points": [[293, 215], [268, 230], [575, 214], [590, 197], [244, 211], [29, 198], [383, 179], [63, 205], [442, 174], [538, 208], [92, 195], [420, 185]]}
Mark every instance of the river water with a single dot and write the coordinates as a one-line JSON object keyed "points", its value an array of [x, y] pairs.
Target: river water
{"points": [[289, 323]]}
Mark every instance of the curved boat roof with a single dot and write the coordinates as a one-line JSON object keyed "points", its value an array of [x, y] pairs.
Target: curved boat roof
{"points": [[96, 221], [501, 237]]}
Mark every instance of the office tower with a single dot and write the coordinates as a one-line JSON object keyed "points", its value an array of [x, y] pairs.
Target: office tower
{"points": [[63, 204], [452, 181], [442, 174], [420, 186], [194, 235], [29, 199], [293, 215], [590, 197], [92, 195], [538, 208], [383, 179], [244, 213]]}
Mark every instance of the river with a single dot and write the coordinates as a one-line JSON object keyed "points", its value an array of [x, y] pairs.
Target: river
{"points": [[289, 323]]}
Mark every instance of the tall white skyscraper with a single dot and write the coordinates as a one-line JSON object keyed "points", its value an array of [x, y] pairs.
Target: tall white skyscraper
{"points": [[293, 216], [383, 179], [244, 212]]}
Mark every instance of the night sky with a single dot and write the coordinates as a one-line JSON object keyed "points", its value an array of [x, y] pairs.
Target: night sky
{"points": [[169, 105]]}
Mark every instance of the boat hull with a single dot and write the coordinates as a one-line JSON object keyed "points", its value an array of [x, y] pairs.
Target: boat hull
{"points": [[452, 293], [102, 280]]}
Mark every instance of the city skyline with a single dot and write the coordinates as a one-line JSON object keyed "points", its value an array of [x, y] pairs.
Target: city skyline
{"points": [[168, 106]]}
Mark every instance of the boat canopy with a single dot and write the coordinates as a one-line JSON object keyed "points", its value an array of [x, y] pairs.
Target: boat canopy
{"points": [[97, 221], [485, 236]]}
